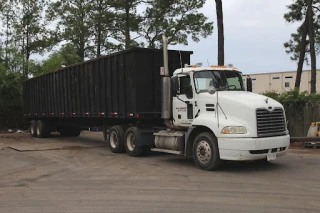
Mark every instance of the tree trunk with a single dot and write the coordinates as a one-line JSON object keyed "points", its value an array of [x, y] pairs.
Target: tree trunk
{"points": [[27, 54], [127, 27], [220, 32], [312, 48], [23, 58], [82, 42], [99, 30], [7, 42], [302, 54]]}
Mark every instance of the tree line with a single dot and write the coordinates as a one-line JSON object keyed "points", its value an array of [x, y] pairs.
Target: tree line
{"points": [[76, 30]]}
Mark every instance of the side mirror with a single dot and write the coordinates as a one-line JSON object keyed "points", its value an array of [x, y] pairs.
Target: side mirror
{"points": [[212, 90], [189, 92], [249, 84], [174, 86]]}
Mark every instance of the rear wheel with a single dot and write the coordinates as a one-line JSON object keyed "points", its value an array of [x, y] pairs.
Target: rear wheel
{"points": [[206, 152], [33, 128], [115, 139], [42, 129], [132, 141]]}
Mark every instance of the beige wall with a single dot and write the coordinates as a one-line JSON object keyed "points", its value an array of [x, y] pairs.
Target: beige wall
{"points": [[282, 81]]}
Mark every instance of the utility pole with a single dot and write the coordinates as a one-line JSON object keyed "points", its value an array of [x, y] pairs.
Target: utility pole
{"points": [[220, 32]]}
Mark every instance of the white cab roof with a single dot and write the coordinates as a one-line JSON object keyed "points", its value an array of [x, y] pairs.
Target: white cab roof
{"points": [[197, 69]]}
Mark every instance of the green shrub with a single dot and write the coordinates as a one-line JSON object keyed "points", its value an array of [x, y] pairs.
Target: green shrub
{"points": [[293, 97]]}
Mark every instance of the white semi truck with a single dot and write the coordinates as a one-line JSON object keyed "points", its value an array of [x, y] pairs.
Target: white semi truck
{"points": [[206, 112], [222, 121]]}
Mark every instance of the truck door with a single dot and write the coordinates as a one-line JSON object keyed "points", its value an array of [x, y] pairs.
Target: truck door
{"points": [[183, 103]]}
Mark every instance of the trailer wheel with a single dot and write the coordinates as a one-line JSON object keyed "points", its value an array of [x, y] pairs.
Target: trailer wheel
{"points": [[115, 139], [132, 142], [33, 128], [42, 129], [206, 152]]}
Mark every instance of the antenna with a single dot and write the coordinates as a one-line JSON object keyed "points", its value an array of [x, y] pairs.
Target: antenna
{"points": [[219, 106]]}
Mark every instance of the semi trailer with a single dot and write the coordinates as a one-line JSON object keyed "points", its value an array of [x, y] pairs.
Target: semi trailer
{"points": [[154, 99]]}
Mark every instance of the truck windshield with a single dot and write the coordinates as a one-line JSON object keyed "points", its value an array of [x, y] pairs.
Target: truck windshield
{"points": [[221, 80]]}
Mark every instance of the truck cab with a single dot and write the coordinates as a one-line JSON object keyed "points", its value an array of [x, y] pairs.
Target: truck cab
{"points": [[243, 125]]}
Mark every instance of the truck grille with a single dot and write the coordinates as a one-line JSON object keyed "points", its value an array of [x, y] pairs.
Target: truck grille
{"points": [[270, 123]]}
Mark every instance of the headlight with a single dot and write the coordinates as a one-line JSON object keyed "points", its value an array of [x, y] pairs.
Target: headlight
{"points": [[234, 130]]}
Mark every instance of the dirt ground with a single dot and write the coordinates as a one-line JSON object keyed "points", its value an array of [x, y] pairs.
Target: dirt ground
{"points": [[61, 174]]}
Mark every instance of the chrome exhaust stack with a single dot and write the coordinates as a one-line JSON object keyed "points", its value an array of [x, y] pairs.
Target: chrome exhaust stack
{"points": [[166, 84], [166, 87]]}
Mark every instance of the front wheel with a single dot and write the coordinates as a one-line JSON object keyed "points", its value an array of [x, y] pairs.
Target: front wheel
{"points": [[206, 152]]}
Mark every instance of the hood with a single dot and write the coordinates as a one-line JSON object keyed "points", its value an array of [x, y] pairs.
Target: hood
{"points": [[248, 99], [237, 108]]}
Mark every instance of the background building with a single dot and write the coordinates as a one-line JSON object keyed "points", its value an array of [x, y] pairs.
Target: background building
{"points": [[281, 81]]}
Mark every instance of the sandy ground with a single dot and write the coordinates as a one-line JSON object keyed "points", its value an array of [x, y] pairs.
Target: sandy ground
{"points": [[81, 175]]}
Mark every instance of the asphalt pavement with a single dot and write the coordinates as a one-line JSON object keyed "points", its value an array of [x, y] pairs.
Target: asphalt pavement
{"points": [[82, 175]]}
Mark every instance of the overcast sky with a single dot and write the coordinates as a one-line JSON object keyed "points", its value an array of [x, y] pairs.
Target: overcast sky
{"points": [[255, 31]]}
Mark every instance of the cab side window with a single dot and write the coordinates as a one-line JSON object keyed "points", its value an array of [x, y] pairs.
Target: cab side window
{"points": [[185, 83]]}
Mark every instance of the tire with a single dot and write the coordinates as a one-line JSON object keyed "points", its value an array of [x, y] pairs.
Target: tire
{"points": [[43, 129], [115, 139], [132, 141], [33, 128], [206, 152]]}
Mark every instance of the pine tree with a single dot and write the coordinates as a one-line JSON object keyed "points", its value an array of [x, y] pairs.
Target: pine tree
{"points": [[7, 16], [299, 44], [177, 19], [103, 22], [127, 21], [29, 30], [73, 25]]}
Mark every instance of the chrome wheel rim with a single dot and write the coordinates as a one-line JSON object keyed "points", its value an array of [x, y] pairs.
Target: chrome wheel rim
{"points": [[131, 141], [113, 139], [204, 152]]}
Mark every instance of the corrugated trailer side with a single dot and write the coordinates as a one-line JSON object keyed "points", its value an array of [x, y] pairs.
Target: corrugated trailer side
{"points": [[126, 84]]}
